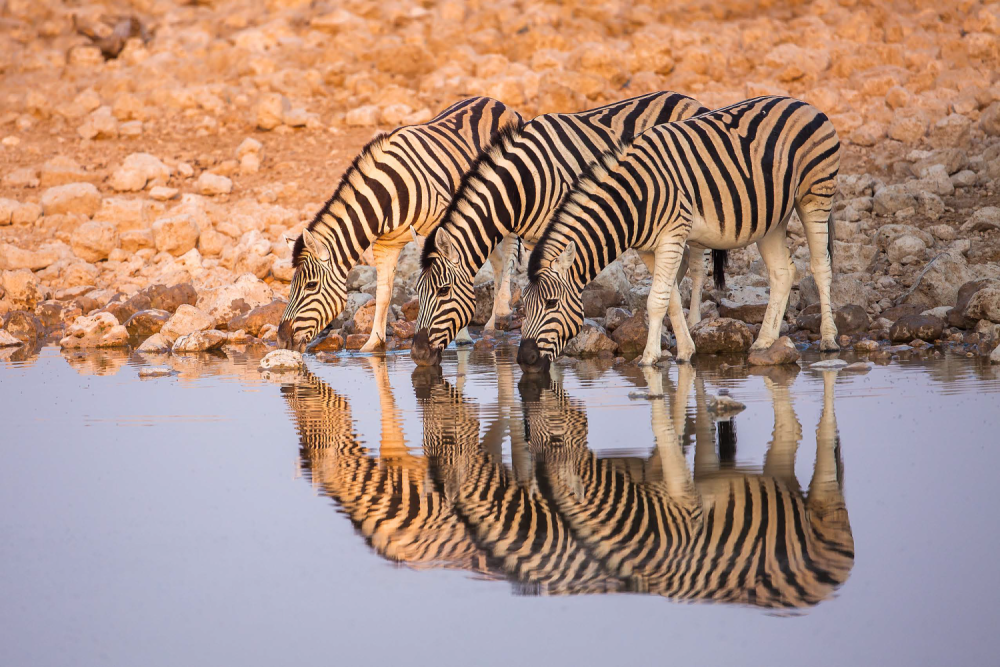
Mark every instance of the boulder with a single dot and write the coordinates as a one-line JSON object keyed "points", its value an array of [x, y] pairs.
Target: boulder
{"points": [[911, 327], [941, 281], [226, 302], [253, 320], [23, 325], [364, 319], [984, 304], [411, 309], [171, 298], [176, 234], [845, 289], [614, 317], [906, 249], [100, 330], [93, 241], [146, 322], [892, 198], [597, 301], [331, 343], [403, 330], [957, 316], [13, 258], [186, 320], [484, 303], [199, 341], [282, 360], [984, 219], [631, 335], [359, 276], [155, 344], [851, 320], [782, 351], [21, 289], [721, 334], [137, 170], [746, 303], [355, 341], [989, 120], [123, 310], [590, 342], [355, 300], [78, 198]]}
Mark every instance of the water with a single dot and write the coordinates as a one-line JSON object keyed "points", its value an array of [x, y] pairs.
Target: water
{"points": [[363, 512]]}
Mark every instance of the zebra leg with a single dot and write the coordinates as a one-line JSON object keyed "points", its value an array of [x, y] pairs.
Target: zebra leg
{"points": [[500, 260], [385, 268], [781, 275], [816, 222], [828, 511], [685, 345], [697, 271], [706, 457], [673, 465], [779, 462], [668, 258], [463, 337]]}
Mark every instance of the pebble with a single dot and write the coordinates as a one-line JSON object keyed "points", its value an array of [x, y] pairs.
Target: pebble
{"points": [[828, 364]]}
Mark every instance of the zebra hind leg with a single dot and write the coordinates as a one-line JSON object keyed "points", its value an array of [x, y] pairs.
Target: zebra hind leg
{"points": [[781, 275], [815, 216], [697, 271]]}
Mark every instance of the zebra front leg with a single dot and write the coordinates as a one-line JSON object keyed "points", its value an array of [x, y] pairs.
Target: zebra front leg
{"points": [[816, 222], [385, 267], [500, 260], [685, 345], [781, 274], [673, 465], [668, 256], [779, 461], [696, 269]]}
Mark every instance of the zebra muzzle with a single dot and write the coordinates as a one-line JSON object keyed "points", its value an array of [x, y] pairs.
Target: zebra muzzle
{"points": [[530, 358], [422, 352]]}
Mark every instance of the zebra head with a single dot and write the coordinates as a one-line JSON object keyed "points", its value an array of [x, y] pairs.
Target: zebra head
{"points": [[317, 295], [553, 310], [447, 299]]}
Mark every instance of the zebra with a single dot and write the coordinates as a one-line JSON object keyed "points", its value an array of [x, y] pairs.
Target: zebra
{"points": [[723, 179], [389, 497], [513, 188], [399, 185], [719, 535]]}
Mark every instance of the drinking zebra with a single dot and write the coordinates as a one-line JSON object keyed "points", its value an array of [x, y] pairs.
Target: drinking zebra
{"points": [[513, 188], [723, 179], [400, 184]]}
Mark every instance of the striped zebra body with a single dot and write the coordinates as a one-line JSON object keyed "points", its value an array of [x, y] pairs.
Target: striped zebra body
{"points": [[389, 496], [399, 185], [513, 188], [723, 179]]}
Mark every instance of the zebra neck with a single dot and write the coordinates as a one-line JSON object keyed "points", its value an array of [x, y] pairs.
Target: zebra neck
{"points": [[347, 236]]}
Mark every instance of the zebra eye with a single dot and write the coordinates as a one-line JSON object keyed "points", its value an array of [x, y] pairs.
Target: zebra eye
{"points": [[312, 284], [443, 290], [551, 303]]}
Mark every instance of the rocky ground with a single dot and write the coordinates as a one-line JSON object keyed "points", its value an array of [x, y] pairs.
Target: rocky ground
{"points": [[153, 154]]}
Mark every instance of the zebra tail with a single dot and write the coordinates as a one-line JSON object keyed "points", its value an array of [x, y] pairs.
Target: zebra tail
{"points": [[720, 259]]}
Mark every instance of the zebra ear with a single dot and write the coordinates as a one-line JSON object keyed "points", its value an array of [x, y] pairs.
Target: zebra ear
{"points": [[315, 247], [564, 262], [290, 242], [445, 246]]}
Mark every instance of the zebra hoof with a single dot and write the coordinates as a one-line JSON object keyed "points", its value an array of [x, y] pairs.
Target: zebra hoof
{"points": [[828, 346]]}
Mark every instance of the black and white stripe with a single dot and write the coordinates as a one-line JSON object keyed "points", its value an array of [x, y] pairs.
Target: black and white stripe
{"points": [[721, 180], [513, 188], [399, 184]]}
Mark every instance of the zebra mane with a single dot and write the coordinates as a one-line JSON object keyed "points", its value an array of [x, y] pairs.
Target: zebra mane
{"points": [[368, 154], [570, 205], [500, 143]]}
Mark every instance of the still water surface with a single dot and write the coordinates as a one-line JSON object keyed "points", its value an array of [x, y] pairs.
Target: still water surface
{"points": [[365, 512]]}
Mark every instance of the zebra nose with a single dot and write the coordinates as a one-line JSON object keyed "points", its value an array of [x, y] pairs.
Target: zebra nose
{"points": [[421, 351], [285, 335], [530, 358]]}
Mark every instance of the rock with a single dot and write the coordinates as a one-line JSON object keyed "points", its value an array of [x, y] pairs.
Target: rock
{"points": [[597, 301], [957, 316], [146, 322], [908, 125], [845, 289], [79, 198], [359, 276], [723, 406], [614, 317], [906, 249], [721, 334], [226, 302], [248, 146], [631, 335], [411, 309], [8, 340], [163, 193], [213, 184], [155, 344], [484, 303], [355, 341], [858, 367], [199, 341], [364, 116], [171, 298], [995, 355], [23, 325], [186, 320], [56, 315], [886, 234], [176, 234], [403, 330], [13, 258], [61, 170], [355, 300], [253, 320], [747, 304], [983, 220], [331, 343], [910, 327], [154, 371], [21, 289], [282, 360], [984, 304], [25, 177], [989, 120], [137, 171], [940, 282], [892, 198], [590, 342], [782, 351], [852, 257], [270, 110], [100, 330], [828, 365], [866, 346], [100, 124], [364, 318], [851, 319], [93, 241]]}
